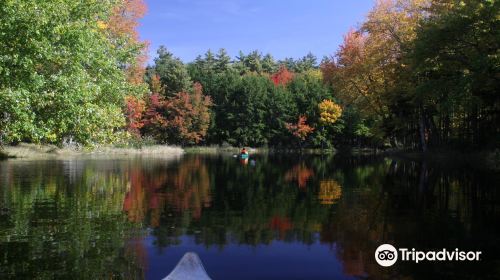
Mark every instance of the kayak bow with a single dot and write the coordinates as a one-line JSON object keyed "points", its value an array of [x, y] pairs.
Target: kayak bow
{"points": [[189, 267]]}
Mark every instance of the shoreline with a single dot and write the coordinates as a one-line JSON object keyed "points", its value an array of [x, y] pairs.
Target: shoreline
{"points": [[35, 151], [489, 158], [256, 150]]}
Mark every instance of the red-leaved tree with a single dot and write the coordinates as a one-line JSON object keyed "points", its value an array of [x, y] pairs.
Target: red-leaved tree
{"points": [[153, 117], [282, 77], [134, 112], [183, 118]]}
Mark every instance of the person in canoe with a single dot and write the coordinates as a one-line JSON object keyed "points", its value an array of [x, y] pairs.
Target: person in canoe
{"points": [[244, 156]]}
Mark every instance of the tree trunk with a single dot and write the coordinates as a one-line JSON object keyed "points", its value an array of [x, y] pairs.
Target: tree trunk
{"points": [[421, 129], [423, 183]]}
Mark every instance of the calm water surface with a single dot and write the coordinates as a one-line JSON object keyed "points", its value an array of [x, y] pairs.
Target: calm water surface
{"points": [[270, 217]]}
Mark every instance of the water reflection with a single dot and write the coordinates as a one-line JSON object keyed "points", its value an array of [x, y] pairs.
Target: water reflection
{"points": [[299, 173], [329, 192], [120, 218], [62, 220]]}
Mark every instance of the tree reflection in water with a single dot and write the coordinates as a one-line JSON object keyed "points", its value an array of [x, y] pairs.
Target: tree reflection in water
{"points": [[86, 219], [63, 219], [299, 173]]}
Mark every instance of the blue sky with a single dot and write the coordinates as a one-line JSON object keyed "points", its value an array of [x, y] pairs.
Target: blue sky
{"points": [[284, 28]]}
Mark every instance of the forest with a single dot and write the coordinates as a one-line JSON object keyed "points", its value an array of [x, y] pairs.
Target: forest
{"points": [[415, 74]]}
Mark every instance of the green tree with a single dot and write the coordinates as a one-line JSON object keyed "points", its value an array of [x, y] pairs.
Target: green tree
{"points": [[289, 63], [246, 111], [280, 108], [61, 74], [456, 64], [306, 63], [222, 61], [173, 74], [268, 64]]}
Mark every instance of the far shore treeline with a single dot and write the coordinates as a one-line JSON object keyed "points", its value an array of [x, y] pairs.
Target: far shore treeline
{"points": [[416, 74]]}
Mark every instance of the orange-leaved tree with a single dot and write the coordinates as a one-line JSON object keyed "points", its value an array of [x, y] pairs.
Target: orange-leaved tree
{"points": [[122, 26], [155, 84], [188, 115], [134, 113], [301, 129], [346, 71]]}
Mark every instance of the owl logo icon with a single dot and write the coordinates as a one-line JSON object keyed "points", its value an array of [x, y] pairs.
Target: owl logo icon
{"points": [[386, 255]]}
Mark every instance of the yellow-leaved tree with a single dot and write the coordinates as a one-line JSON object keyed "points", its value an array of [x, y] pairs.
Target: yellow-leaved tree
{"points": [[329, 112]]}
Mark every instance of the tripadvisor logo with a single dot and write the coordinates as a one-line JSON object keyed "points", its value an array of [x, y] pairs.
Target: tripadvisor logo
{"points": [[387, 255]]}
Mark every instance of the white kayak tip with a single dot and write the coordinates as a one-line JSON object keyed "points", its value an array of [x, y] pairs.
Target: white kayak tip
{"points": [[189, 267]]}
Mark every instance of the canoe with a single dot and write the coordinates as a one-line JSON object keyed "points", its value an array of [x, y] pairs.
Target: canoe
{"points": [[189, 267]]}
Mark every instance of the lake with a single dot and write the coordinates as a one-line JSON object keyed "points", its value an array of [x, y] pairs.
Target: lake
{"points": [[269, 217]]}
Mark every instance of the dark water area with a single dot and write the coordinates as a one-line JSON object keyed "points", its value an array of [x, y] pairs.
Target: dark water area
{"points": [[269, 217]]}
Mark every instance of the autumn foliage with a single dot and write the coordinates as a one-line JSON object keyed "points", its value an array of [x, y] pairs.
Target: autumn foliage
{"points": [[144, 196], [352, 49], [330, 112], [282, 77], [186, 188], [299, 173], [344, 70], [134, 111], [189, 187], [136, 70], [122, 28], [123, 25], [330, 191], [189, 115], [300, 129], [155, 84], [182, 118], [124, 18]]}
